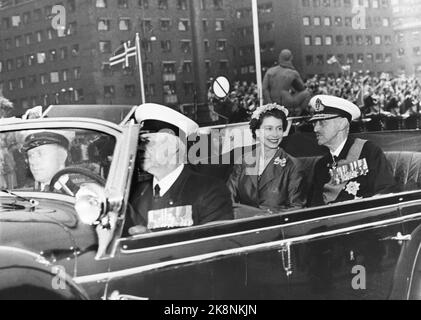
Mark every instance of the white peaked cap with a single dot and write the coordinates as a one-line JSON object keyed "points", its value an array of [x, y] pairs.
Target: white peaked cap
{"points": [[153, 111], [326, 106]]}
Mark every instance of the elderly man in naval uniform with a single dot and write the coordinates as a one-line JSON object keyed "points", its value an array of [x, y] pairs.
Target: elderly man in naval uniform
{"points": [[174, 196], [352, 168]]}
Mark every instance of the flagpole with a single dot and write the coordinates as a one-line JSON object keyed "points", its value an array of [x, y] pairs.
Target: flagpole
{"points": [[257, 50], [140, 68]]}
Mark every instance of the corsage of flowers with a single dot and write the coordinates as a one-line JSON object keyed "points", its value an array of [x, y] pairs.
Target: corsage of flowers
{"points": [[280, 162], [267, 107]]}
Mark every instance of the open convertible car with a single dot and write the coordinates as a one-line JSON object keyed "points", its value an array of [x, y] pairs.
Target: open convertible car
{"points": [[360, 249]]}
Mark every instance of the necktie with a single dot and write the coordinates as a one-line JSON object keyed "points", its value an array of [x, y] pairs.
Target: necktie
{"points": [[157, 189]]}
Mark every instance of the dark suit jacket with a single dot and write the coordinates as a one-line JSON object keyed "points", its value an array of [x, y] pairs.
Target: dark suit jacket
{"points": [[279, 187], [379, 179], [209, 198]]}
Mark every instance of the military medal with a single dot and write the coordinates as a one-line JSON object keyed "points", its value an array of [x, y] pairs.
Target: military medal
{"points": [[348, 171], [173, 217]]}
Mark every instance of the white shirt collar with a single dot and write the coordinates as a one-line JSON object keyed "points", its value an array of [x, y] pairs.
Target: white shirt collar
{"points": [[339, 149], [166, 182]]}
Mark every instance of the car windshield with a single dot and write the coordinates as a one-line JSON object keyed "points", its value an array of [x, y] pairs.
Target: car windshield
{"points": [[56, 160]]}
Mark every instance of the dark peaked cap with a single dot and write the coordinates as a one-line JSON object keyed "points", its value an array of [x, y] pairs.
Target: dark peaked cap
{"points": [[45, 137]]}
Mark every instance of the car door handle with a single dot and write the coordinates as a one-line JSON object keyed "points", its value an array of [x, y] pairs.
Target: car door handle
{"points": [[399, 237], [115, 295]]}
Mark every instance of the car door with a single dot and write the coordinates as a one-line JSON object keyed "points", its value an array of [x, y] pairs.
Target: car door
{"points": [[347, 250], [92, 266], [224, 260]]}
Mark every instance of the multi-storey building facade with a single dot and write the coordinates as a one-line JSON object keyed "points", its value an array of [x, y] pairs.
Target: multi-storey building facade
{"points": [[316, 30], [184, 43], [407, 27]]}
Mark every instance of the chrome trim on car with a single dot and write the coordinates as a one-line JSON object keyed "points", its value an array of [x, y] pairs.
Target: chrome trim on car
{"points": [[408, 293], [269, 245]]}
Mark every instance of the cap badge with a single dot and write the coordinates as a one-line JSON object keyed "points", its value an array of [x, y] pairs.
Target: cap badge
{"points": [[319, 106]]}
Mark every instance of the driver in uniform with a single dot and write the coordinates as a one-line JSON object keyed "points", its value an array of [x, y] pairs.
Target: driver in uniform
{"points": [[47, 153]]}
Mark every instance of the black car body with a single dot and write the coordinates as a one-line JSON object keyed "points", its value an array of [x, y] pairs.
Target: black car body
{"points": [[347, 250]]}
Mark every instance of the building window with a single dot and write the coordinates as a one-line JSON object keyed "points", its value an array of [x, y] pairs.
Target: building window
{"points": [[388, 57], [223, 65], [148, 68], [123, 4], [106, 69], [219, 25], [9, 65], [305, 3], [130, 90], [38, 35], [28, 39], [386, 22], [378, 40], [326, 3], [328, 40], [187, 66], [146, 25], [206, 44], [164, 24], [306, 21], [221, 44], [18, 41], [338, 21], [103, 25], [8, 44], [327, 21], [316, 3], [143, 4], [65, 75], [218, 4], [19, 63], [30, 60], [54, 77], [166, 45], [208, 66], [387, 40], [350, 58], [150, 90], [317, 21], [26, 18], [348, 22], [163, 4], [349, 40], [320, 60], [76, 73], [185, 46], [317, 41], [105, 46], [339, 40], [379, 57], [124, 24], [41, 57], [53, 55], [37, 14], [16, 21], [188, 88], [360, 58], [182, 4], [5, 23], [309, 60], [205, 25], [44, 78], [375, 4], [416, 51], [75, 50], [359, 40], [50, 33], [337, 3], [32, 81], [101, 3], [203, 4], [307, 40], [183, 25]]}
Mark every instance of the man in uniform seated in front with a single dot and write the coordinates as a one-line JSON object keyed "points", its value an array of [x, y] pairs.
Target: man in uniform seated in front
{"points": [[47, 153], [352, 168], [174, 196]]}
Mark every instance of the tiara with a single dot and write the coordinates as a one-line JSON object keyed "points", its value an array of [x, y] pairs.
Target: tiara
{"points": [[267, 107]]}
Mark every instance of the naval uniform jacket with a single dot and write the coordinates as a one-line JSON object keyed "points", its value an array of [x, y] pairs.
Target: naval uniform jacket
{"points": [[378, 180], [208, 197], [280, 186]]}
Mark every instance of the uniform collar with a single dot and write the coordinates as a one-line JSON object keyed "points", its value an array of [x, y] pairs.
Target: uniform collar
{"points": [[166, 183], [339, 149]]}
